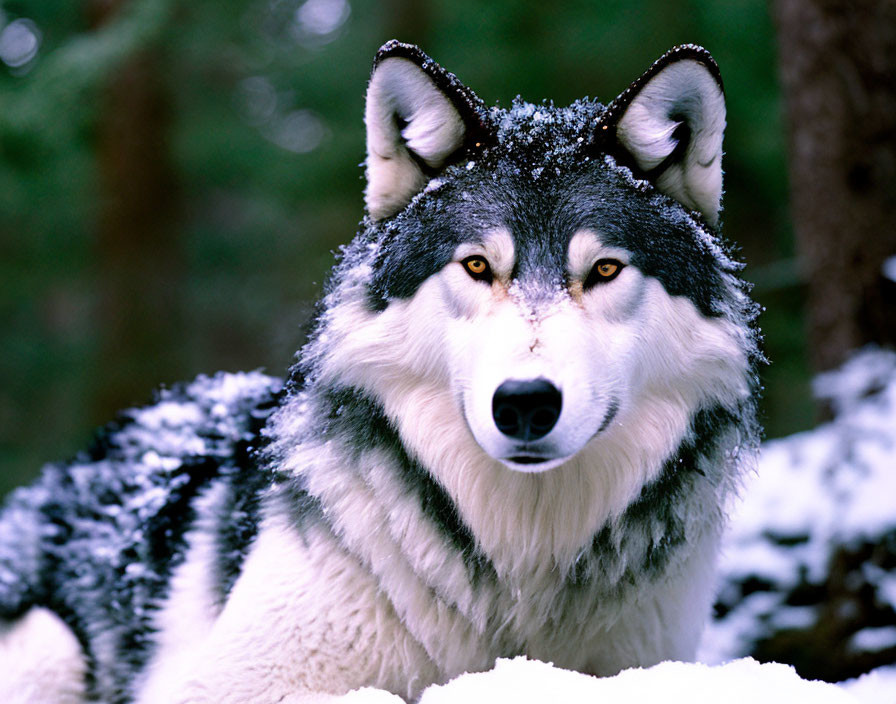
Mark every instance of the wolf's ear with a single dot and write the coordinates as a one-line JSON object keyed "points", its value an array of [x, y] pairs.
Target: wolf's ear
{"points": [[418, 118], [670, 123]]}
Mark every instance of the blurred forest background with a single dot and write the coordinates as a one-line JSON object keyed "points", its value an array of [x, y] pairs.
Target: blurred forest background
{"points": [[174, 177]]}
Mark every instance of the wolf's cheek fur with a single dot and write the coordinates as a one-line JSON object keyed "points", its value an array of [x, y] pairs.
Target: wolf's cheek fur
{"points": [[687, 357], [384, 352]]}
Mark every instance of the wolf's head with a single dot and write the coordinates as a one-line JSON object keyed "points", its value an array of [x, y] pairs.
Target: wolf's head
{"points": [[536, 285]]}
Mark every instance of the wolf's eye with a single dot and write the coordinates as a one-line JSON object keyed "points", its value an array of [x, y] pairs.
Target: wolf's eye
{"points": [[478, 268], [603, 270]]}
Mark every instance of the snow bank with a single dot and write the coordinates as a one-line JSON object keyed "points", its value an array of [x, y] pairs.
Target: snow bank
{"points": [[742, 681], [875, 687], [818, 497]]}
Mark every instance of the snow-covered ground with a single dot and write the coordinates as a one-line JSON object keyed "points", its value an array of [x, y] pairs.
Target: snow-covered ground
{"points": [[740, 682], [809, 566], [808, 573]]}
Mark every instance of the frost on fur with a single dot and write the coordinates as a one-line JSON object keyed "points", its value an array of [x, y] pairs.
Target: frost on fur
{"points": [[672, 121], [415, 117]]}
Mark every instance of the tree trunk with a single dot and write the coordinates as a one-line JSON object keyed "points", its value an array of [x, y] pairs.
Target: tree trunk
{"points": [[838, 71], [139, 260]]}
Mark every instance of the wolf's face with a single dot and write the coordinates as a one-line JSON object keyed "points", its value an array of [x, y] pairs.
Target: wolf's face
{"points": [[535, 351], [549, 311], [534, 277]]}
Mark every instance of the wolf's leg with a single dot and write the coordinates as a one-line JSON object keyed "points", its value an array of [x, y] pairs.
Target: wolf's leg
{"points": [[305, 617], [41, 661]]}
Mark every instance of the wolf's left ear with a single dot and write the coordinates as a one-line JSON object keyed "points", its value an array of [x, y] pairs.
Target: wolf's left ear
{"points": [[418, 118], [670, 122]]}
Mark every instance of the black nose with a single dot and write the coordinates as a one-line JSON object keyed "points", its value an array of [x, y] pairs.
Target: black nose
{"points": [[526, 410]]}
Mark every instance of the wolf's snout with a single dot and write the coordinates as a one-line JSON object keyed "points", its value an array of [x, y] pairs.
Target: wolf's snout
{"points": [[526, 410]]}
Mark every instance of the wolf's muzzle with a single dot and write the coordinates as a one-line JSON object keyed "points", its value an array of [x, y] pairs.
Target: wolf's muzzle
{"points": [[526, 410]]}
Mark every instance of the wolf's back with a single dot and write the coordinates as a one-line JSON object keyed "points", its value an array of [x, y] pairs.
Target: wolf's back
{"points": [[95, 539]]}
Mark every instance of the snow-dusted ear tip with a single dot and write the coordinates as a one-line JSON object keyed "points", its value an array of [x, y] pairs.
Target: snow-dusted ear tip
{"points": [[671, 122], [418, 116]]}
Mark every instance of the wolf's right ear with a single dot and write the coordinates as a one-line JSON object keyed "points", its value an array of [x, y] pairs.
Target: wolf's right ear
{"points": [[418, 118]]}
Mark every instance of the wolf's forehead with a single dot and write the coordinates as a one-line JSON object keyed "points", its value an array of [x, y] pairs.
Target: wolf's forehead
{"points": [[546, 136]]}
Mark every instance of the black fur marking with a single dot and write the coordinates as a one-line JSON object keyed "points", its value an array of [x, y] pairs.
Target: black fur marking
{"points": [[608, 418], [114, 590], [96, 540], [241, 510], [355, 416], [657, 516]]}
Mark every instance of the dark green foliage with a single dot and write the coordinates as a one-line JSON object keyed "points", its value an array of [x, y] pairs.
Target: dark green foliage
{"points": [[255, 223]]}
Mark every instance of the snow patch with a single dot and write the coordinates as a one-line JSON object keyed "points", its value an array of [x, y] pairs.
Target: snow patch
{"points": [[745, 681], [814, 492], [873, 639]]}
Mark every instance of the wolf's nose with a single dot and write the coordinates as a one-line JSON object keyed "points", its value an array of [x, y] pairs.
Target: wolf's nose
{"points": [[526, 410]]}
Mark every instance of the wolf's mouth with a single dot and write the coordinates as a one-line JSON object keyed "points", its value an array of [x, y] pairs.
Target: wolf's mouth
{"points": [[528, 459], [533, 463]]}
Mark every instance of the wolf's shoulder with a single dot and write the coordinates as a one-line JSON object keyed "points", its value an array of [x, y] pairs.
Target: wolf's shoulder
{"points": [[123, 505], [189, 433]]}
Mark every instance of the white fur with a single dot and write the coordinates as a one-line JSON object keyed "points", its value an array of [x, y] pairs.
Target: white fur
{"points": [[434, 130], [417, 359], [42, 661], [304, 619], [646, 129]]}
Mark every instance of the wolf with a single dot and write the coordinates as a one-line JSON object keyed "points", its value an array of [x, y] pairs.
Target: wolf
{"points": [[527, 396]]}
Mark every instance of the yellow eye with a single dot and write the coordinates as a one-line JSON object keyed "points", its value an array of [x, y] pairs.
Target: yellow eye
{"points": [[604, 270], [607, 269], [478, 268]]}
